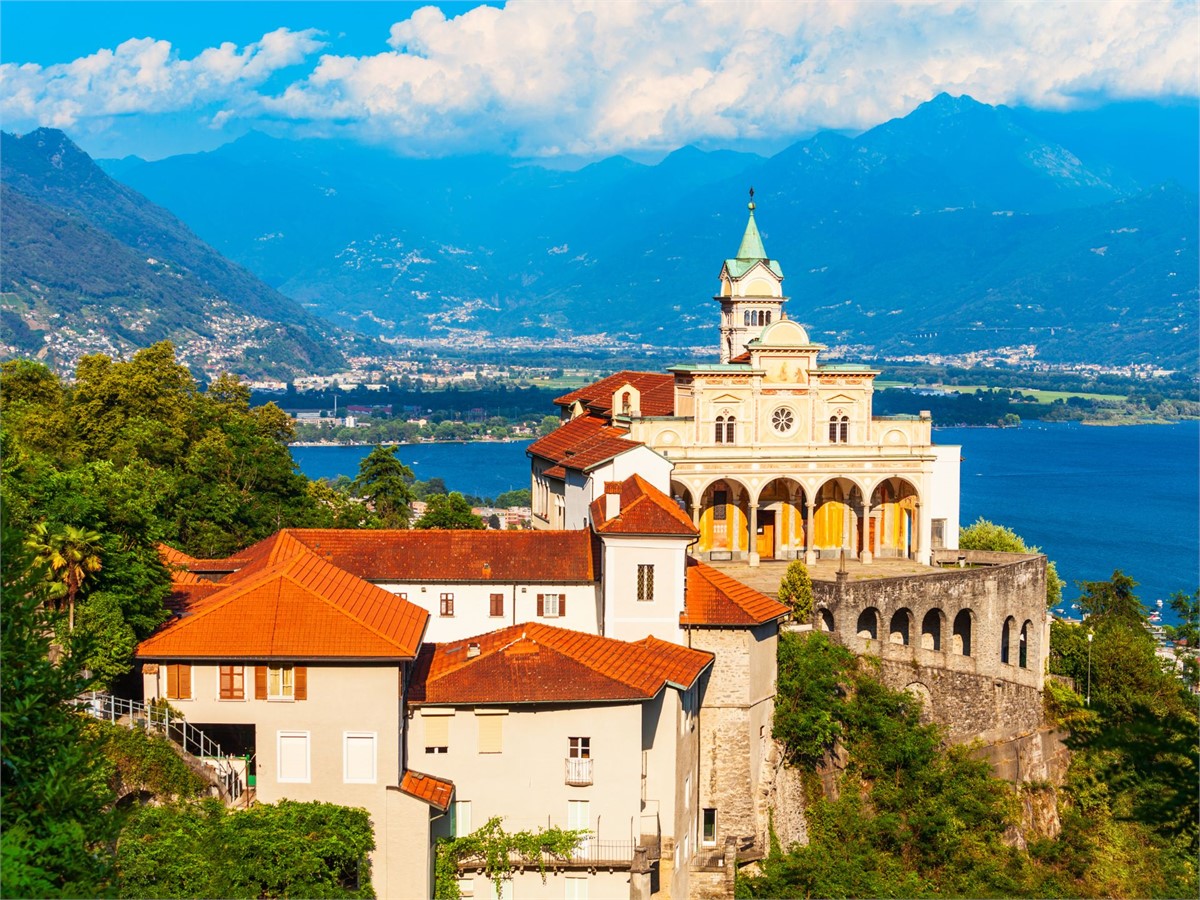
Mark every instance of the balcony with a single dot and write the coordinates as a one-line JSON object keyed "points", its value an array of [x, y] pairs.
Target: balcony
{"points": [[579, 772]]}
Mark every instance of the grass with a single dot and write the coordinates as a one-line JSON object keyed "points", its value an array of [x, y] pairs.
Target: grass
{"points": [[1039, 396]]}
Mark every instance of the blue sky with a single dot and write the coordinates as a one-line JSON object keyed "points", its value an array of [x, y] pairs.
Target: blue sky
{"points": [[572, 79]]}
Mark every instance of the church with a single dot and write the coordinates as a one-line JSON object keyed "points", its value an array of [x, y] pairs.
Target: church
{"points": [[773, 454]]}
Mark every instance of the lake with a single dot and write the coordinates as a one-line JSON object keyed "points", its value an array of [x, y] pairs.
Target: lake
{"points": [[1094, 499]]}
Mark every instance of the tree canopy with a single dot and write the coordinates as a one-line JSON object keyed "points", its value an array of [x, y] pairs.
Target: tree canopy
{"points": [[448, 511], [985, 535]]}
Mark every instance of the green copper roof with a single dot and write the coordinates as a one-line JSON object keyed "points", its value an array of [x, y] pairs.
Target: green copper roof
{"points": [[750, 252]]}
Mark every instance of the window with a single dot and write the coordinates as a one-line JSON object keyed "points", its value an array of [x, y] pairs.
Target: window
{"points": [[579, 817], [645, 582], [281, 683], [729, 430], [937, 537], [720, 499], [358, 754], [179, 681], [496, 605], [293, 757], [551, 606], [845, 429], [833, 423], [437, 733], [719, 431], [403, 595], [783, 420], [580, 747], [708, 821], [232, 683], [626, 403], [746, 319], [491, 732], [446, 605], [839, 429], [577, 887], [462, 818], [466, 887]]}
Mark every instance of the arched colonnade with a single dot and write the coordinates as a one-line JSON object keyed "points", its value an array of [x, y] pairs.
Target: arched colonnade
{"points": [[784, 519]]}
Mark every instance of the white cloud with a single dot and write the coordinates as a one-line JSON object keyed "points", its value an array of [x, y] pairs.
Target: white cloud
{"points": [[587, 78]]}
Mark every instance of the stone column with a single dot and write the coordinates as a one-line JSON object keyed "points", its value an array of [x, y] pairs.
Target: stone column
{"points": [[866, 556], [922, 527], [810, 555], [752, 549]]}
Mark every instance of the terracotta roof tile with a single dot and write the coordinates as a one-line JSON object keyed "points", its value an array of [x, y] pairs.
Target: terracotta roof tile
{"points": [[583, 443], [436, 555], [713, 598], [644, 510], [535, 663], [657, 393], [437, 792], [298, 607]]}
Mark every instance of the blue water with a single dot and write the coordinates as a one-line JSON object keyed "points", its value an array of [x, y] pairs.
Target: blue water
{"points": [[1094, 499]]}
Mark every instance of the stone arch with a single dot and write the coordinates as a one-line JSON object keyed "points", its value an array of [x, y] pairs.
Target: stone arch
{"points": [[1006, 635], [964, 623], [894, 503], [868, 624], [924, 697], [837, 517], [781, 501], [1026, 639], [724, 517], [900, 628], [932, 626], [825, 620], [683, 496]]}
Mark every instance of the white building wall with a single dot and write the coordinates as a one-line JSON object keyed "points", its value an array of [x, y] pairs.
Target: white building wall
{"points": [[472, 606], [944, 491], [643, 461], [625, 616]]}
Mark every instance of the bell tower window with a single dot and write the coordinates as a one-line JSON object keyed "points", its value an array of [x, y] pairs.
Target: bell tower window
{"points": [[625, 403]]}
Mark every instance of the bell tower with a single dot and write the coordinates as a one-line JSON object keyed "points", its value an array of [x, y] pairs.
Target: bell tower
{"points": [[751, 294]]}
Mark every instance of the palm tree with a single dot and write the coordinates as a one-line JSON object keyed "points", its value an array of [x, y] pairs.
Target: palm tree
{"points": [[68, 556]]}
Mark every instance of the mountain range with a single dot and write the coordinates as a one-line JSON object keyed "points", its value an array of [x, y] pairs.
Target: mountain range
{"points": [[959, 227], [90, 265]]}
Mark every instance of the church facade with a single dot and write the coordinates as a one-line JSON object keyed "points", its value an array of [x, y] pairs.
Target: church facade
{"points": [[773, 454]]}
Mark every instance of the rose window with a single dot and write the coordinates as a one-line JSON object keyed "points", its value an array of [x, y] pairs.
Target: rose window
{"points": [[783, 420]]}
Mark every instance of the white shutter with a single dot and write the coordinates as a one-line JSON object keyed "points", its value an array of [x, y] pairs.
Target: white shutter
{"points": [[462, 818], [359, 758], [293, 757], [577, 888], [579, 817]]}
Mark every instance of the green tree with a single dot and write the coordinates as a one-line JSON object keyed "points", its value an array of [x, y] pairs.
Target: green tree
{"points": [[67, 556], [448, 511], [386, 483], [519, 497], [1187, 607], [985, 535], [55, 823], [796, 590], [548, 424], [1112, 599]]}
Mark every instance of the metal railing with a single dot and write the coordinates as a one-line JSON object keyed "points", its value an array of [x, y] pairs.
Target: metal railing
{"points": [[579, 771], [164, 720]]}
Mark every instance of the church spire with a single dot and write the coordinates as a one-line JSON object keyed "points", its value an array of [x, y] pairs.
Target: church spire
{"points": [[752, 245]]}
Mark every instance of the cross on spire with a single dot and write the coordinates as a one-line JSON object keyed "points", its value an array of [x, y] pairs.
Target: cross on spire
{"points": [[752, 197]]}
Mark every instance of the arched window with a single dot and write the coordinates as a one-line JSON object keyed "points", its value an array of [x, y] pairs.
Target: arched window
{"points": [[625, 403], [931, 630], [833, 429], [1006, 638], [746, 317], [768, 317], [719, 431], [729, 430], [845, 432], [1023, 656], [868, 624], [962, 633], [826, 620]]}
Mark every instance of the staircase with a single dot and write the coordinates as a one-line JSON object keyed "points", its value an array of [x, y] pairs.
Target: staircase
{"points": [[202, 754]]}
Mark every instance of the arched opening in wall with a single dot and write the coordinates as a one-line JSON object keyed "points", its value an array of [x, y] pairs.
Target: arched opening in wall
{"points": [[924, 698], [825, 620], [781, 520], [1026, 636], [893, 519], [901, 628], [868, 624], [962, 632], [626, 403], [682, 495], [931, 630], [1006, 633], [837, 519], [723, 518]]}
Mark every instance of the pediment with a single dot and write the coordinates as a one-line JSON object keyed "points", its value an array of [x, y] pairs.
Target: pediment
{"points": [[725, 398], [842, 398]]}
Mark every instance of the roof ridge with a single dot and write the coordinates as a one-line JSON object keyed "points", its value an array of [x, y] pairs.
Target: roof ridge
{"points": [[286, 573]]}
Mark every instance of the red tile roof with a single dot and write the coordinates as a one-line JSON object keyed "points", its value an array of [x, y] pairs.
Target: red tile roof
{"points": [[437, 792], [741, 358], [644, 510], [535, 663], [657, 393], [583, 443], [289, 603], [713, 598], [435, 555]]}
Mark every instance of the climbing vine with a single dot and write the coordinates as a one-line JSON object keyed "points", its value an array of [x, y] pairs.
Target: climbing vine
{"points": [[499, 852]]}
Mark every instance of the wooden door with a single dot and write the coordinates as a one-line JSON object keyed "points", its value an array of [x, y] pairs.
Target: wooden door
{"points": [[766, 534]]}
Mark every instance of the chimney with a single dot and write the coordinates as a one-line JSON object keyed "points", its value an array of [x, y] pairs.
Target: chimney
{"points": [[472, 650], [612, 499]]}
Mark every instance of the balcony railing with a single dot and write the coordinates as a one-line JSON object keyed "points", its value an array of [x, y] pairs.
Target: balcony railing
{"points": [[579, 772]]}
